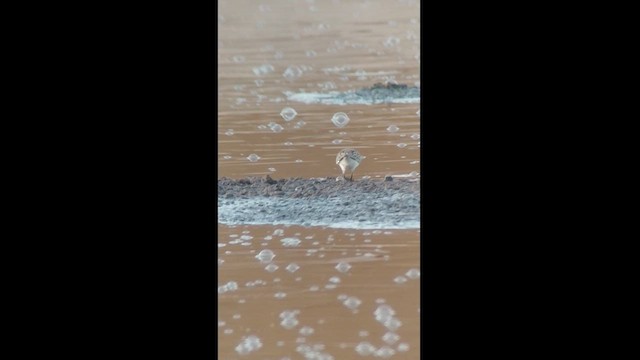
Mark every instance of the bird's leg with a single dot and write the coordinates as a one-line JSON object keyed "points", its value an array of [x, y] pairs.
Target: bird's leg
{"points": [[351, 176]]}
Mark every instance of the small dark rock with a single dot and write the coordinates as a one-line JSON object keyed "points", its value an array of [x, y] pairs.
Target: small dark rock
{"points": [[388, 178]]}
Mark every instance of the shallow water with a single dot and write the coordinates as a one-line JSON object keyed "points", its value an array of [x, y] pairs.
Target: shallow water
{"points": [[334, 278], [348, 38], [266, 50]]}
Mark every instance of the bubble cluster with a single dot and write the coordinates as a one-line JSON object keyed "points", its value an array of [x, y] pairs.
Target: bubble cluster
{"points": [[290, 242], [391, 41], [343, 267], [253, 157], [265, 256], [263, 69], [413, 274], [384, 314], [293, 267], [292, 72], [310, 352], [289, 320], [384, 352], [306, 331], [249, 344], [275, 127], [365, 348], [271, 267], [288, 113], [340, 119], [390, 338], [400, 280], [230, 286], [352, 302]]}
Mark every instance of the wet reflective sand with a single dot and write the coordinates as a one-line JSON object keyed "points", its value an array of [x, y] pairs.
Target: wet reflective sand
{"points": [[317, 292]]}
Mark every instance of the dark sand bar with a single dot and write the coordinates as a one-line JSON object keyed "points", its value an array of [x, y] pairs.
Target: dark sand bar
{"points": [[361, 204]]}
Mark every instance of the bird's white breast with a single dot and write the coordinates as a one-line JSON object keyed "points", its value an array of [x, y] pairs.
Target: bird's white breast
{"points": [[348, 163]]}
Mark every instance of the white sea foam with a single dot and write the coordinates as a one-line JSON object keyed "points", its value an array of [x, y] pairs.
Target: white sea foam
{"points": [[338, 98]]}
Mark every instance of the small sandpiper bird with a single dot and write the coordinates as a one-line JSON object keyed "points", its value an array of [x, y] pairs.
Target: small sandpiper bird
{"points": [[348, 160]]}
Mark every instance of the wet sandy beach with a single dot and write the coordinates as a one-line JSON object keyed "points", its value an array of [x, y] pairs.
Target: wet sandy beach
{"points": [[328, 290]]}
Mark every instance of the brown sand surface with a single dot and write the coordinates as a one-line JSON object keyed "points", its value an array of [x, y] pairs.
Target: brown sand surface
{"points": [[340, 45]]}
